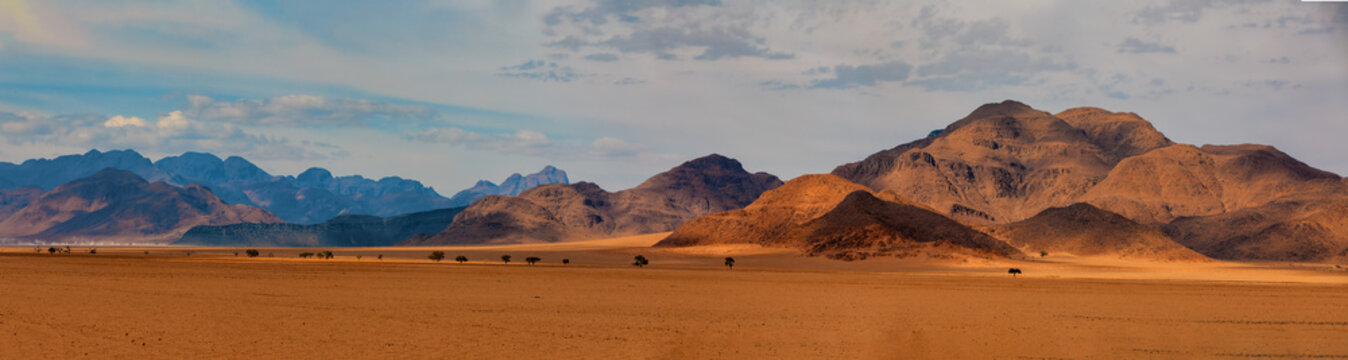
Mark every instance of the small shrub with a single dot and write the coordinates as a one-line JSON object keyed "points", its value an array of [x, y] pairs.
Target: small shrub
{"points": [[566, 261], [505, 259], [436, 256], [252, 252], [93, 251], [236, 253], [730, 262], [640, 261], [1043, 253], [358, 257], [532, 259], [461, 259], [380, 257]]}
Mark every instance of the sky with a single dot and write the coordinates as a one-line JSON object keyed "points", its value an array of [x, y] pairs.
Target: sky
{"points": [[614, 91]]}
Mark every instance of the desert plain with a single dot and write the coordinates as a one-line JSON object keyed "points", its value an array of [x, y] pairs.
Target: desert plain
{"points": [[124, 303]]}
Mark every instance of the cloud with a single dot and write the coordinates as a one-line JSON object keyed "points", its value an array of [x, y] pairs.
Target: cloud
{"points": [[540, 70], [1187, 11], [171, 133], [969, 70], [533, 143], [678, 25], [602, 57], [716, 43], [1135, 46], [846, 76], [120, 121], [622, 10], [303, 110]]}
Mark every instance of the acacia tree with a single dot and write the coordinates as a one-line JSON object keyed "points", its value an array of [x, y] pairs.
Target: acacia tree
{"points": [[730, 262], [437, 256], [532, 259], [252, 252], [306, 255], [505, 259], [640, 261], [461, 259], [1013, 272], [51, 250]]}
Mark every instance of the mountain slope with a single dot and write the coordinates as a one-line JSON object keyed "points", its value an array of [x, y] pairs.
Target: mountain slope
{"points": [[116, 205], [1085, 230], [346, 230], [558, 212], [1302, 228], [1183, 180], [828, 215]]}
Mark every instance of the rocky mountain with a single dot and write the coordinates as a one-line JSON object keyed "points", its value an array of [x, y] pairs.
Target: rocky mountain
{"points": [[119, 206], [557, 212], [1085, 230], [345, 230], [1007, 162], [513, 185], [1184, 180], [828, 215], [313, 196]]}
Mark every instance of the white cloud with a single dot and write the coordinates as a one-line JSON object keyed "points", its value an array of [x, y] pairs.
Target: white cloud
{"points": [[120, 121]]}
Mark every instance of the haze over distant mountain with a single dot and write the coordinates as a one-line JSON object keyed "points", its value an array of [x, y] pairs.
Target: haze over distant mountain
{"points": [[828, 215], [345, 230], [512, 185], [1007, 162], [313, 196], [559, 212], [119, 206]]}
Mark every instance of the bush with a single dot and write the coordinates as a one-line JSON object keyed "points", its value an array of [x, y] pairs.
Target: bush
{"points": [[505, 259], [640, 261], [252, 252], [325, 254], [306, 255], [566, 261], [461, 259], [730, 262], [436, 256], [532, 259], [1043, 253], [93, 251], [380, 257], [51, 250]]}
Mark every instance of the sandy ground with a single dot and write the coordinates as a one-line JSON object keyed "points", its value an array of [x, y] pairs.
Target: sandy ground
{"points": [[122, 303]]}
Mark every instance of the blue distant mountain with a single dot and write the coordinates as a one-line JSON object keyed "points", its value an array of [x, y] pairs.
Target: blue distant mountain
{"points": [[313, 196]]}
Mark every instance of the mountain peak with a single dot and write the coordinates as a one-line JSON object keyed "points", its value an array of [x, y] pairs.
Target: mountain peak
{"points": [[1006, 108]]}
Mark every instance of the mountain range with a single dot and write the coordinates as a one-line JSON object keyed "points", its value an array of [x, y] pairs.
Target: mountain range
{"points": [[1007, 181], [116, 206], [313, 196], [558, 212]]}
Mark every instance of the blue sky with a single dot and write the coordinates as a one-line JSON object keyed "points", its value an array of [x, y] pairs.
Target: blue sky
{"points": [[614, 90]]}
